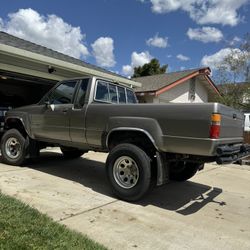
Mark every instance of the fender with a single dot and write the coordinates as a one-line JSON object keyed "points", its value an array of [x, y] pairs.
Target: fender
{"points": [[18, 118], [131, 129], [150, 127]]}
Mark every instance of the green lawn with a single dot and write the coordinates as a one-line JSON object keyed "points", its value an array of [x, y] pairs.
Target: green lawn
{"points": [[22, 227]]}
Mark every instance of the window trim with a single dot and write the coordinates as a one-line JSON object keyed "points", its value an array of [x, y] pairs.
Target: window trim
{"points": [[79, 83]]}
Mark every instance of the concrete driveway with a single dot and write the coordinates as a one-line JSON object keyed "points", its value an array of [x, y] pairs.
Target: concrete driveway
{"points": [[211, 211]]}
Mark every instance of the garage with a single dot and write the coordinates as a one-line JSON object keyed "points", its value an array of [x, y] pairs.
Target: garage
{"points": [[19, 90], [28, 71]]}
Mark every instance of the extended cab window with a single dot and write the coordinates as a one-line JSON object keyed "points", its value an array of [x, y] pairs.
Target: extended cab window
{"points": [[62, 94], [109, 92], [102, 92], [121, 95], [113, 93], [131, 96]]}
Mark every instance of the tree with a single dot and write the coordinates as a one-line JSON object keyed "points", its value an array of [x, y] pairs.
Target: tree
{"points": [[235, 67], [235, 95], [151, 68], [232, 70]]}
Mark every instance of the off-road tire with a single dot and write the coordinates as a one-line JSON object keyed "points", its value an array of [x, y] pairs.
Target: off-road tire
{"points": [[143, 167], [8, 155]]}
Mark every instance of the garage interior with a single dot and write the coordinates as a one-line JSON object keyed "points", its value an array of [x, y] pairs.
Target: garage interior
{"points": [[18, 90]]}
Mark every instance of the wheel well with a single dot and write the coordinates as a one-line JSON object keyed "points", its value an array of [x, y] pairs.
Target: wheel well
{"points": [[16, 124], [137, 138]]}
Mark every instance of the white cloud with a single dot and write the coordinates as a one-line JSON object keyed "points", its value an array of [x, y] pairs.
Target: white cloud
{"points": [[182, 68], [103, 49], [214, 60], [235, 41], [156, 41], [203, 11], [127, 70], [50, 31], [182, 57], [205, 34], [137, 59]]}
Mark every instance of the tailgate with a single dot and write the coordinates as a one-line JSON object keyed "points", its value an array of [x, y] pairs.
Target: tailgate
{"points": [[232, 122]]}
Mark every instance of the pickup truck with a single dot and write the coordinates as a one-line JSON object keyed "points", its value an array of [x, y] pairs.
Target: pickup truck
{"points": [[148, 144]]}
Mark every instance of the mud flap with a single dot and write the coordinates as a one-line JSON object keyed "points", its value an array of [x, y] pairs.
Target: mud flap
{"points": [[31, 148], [162, 169]]}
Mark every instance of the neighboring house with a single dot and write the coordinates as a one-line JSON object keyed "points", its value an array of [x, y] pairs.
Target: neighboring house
{"points": [[186, 86]]}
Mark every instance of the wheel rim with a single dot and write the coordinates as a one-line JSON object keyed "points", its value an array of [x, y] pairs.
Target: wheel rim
{"points": [[13, 148], [126, 172]]}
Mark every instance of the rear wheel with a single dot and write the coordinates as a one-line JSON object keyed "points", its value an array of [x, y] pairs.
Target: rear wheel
{"points": [[129, 171], [14, 147], [71, 153], [182, 171]]}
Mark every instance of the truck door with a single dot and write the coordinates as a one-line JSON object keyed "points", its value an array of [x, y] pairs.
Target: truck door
{"points": [[52, 122], [78, 112]]}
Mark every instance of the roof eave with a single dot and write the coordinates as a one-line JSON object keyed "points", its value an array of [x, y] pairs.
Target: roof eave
{"points": [[34, 57]]}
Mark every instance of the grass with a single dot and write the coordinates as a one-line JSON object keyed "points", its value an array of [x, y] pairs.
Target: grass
{"points": [[22, 227]]}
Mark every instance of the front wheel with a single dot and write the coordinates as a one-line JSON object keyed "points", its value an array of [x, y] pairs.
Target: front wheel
{"points": [[129, 171], [14, 147], [182, 171]]}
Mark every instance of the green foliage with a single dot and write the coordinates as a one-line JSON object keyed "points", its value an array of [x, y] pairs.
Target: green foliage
{"points": [[151, 68], [235, 95], [22, 227]]}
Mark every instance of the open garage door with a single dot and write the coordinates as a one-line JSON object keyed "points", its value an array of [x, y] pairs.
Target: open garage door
{"points": [[18, 90]]}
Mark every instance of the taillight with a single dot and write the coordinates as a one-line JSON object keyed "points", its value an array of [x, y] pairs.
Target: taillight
{"points": [[215, 126]]}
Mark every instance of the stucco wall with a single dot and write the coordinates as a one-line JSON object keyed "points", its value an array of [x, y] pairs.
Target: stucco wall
{"points": [[181, 94]]}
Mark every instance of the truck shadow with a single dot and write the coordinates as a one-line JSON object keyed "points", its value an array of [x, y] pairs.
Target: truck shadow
{"points": [[182, 197]]}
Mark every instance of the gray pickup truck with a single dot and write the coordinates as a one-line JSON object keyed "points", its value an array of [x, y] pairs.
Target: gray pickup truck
{"points": [[148, 144]]}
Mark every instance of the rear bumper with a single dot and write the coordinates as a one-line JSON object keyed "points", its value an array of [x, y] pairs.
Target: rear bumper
{"points": [[196, 146], [231, 153]]}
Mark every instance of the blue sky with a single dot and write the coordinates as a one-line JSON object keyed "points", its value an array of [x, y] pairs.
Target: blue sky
{"points": [[120, 34]]}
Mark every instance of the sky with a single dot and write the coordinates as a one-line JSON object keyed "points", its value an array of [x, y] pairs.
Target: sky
{"points": [[119, 35]]}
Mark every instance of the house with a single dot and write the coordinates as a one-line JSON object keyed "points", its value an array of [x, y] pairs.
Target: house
{"points": [[186, 86], [28, 70]]}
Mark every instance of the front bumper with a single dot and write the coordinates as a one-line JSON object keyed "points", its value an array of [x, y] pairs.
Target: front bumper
{"points": [[231, 153]]}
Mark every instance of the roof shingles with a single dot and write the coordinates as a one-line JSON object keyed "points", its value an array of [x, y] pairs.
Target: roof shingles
{"points": [[156, 82]]}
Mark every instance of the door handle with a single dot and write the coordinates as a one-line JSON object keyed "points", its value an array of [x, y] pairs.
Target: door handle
{"points": [[65, 110]]}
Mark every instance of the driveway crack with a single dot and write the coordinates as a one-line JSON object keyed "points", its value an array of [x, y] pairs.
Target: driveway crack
{"points": [[86, 211]]}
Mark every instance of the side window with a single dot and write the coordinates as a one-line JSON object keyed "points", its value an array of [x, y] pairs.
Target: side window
{"points": [[121, 95], [131, 96], [80, 99], [63, 94], [113, 93], [102, 92]]}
